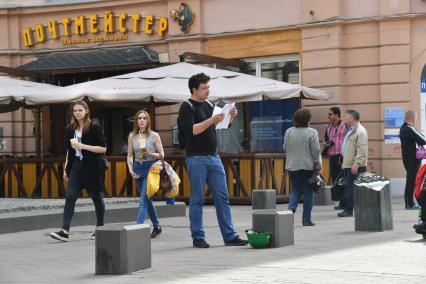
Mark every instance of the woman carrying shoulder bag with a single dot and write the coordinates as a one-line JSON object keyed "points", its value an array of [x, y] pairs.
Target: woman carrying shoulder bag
{"points": [[144, 148], [303, 158], [84, 168]]}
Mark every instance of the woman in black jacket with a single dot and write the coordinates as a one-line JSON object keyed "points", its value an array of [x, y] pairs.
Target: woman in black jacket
{"points": [[84, 167]]}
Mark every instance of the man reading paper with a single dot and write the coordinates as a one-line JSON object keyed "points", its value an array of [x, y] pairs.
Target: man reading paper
{"points": [[203, 163]]}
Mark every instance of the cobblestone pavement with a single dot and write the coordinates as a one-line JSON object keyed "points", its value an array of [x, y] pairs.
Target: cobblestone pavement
{"points": [[330, 252]]}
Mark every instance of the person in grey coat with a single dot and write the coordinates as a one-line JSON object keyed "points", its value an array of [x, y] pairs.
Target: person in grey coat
{"points": [[303, 159]]}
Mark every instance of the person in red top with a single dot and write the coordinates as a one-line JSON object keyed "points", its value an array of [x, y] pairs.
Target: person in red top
{"points": [[420, 193], [333, 139]]}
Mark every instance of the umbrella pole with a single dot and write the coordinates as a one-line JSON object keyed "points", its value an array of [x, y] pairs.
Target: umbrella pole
{"points": [[151, 111], [37, 115]]}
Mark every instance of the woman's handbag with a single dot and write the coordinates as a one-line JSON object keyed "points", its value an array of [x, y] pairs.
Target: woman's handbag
{"points": [[420, 153], [338, 188], [317, 182], [165, 182], [104, 162]]}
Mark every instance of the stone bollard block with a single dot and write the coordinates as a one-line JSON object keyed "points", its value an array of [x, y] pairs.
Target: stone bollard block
{"points": [[122, 249], [373, 209], [264, 199], [280, 223], [323, 197]]}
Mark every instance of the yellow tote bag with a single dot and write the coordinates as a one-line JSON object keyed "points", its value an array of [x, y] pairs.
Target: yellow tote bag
{"points": [[153, 183]]}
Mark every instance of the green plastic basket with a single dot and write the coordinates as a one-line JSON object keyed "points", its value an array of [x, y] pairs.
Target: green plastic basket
{"points": [[258, 239]]}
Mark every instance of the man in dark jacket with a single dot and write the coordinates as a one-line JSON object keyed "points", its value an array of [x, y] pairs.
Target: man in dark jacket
{"points": [[409, 138]]}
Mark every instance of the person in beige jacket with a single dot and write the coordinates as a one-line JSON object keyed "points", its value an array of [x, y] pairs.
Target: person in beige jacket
{"points": [[355, 155]]}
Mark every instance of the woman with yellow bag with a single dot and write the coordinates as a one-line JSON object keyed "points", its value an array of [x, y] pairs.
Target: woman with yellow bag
{"points": [[144, 148]]}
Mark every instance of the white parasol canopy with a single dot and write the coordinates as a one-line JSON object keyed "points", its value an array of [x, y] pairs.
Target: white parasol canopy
{"points": [[170, 84], [14, 93]]}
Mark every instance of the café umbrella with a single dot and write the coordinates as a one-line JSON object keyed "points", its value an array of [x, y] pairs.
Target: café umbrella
{"points": [[170, 84]]}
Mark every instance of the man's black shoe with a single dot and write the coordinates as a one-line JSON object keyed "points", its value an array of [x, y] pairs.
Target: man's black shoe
{"points": [[237, 241], [420, 228], [60, 236], [339, 207], [345, 214], [156, 232], [200, 244], [307, 223]]}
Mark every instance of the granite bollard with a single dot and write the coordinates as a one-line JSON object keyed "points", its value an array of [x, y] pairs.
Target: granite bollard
{"points": [[372, 207], [323, 197], [122, 249], [279, 223], [264, 199]]}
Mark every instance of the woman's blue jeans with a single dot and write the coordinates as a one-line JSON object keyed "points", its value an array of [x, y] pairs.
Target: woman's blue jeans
{"points": [[300, 186], [145, 204]]}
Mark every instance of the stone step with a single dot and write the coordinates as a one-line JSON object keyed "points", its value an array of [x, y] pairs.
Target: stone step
{"points": [[18, 221]]}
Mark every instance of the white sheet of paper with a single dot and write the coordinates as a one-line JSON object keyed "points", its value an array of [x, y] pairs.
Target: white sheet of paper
{"points": [[225, 110]]}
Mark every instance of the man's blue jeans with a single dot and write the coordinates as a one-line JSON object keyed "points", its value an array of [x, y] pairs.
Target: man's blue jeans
{"points": [[202, 170], [349, 187], [145, 204], [300, 186]]}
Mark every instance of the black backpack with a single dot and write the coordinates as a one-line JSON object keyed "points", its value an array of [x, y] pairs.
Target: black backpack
{"points": [[181, 135]]}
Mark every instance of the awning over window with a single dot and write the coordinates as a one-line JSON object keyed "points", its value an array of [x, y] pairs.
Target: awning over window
{"points": [[96, 58]]}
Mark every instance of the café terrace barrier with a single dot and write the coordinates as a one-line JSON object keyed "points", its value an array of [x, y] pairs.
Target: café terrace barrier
{"points": [[42, 177]]}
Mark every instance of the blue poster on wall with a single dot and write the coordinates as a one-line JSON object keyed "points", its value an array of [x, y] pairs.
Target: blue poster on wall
{"points": [[268, 122], [394, 116]]}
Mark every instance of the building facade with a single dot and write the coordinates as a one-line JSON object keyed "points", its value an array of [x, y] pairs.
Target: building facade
{"points": [[369, 53]]}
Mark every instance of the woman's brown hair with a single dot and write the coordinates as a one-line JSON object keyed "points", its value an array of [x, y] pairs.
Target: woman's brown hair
{"points": [[86, 120], [302, 117], [135, 122]]}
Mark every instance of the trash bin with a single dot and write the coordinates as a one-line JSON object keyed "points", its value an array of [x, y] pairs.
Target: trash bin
{"points": [[373, 209]]}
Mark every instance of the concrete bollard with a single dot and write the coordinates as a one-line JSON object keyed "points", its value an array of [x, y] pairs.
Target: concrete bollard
{"points": [[279, 223], [323, 197], [373, 209], [264, 199], [122, 249]]}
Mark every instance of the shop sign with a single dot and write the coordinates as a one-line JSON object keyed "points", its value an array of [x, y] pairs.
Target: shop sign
{"points": [[423, 85], [87, 28], [183, 16]]}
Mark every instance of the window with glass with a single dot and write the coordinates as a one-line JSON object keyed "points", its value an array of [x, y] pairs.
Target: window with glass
{"points": [[260, 126]]}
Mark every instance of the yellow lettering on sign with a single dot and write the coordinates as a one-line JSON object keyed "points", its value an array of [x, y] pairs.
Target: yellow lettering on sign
{"points": [[109, 22], [93, 27], [40, 34], [136, 18], [65, 22], [52, 27], [148, 24], [28, 37], [79, 25], [163, 26], [122, 23]]}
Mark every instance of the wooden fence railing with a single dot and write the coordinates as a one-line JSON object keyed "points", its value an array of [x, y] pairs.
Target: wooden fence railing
{"points": [[42, 177]]}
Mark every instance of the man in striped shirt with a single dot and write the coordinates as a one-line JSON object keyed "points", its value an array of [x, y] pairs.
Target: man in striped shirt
{"points": [[333, 139]]}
